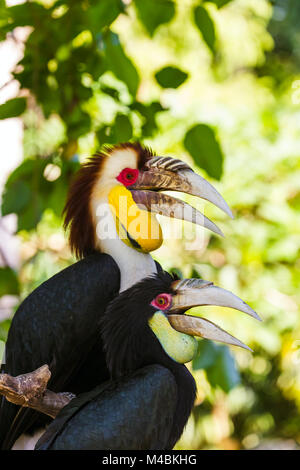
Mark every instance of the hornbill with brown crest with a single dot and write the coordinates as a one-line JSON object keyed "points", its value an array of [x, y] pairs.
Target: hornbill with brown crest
{"points": [[147, 339], [59, 323]]}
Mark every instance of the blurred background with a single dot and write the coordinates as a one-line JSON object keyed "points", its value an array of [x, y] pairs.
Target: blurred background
{"points": [[215, 83]]}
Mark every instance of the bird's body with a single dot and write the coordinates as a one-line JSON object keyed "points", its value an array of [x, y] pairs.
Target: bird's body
{"points": [[150, 396], [108, 212], [108, 425], [58, 324]]}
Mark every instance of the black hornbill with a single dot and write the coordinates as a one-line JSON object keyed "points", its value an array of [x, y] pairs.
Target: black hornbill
{"points": [[147, 338], [58, 324]]}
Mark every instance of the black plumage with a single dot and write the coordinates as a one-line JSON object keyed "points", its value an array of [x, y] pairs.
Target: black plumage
{"points": [[150, 397], [58, 325], [99, 419]]}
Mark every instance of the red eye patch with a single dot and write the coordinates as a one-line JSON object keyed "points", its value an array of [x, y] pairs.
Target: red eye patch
{"points": [[162, 301], [128, 176]]}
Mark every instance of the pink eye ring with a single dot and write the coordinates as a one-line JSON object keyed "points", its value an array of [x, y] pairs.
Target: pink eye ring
{"points": [[128, 176], [162, 301]]}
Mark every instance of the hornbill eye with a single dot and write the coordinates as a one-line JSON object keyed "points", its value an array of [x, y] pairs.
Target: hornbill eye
{"points": [[128, 176], [162, 301]]}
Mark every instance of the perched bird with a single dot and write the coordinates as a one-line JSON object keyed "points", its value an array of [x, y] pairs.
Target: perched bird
{"points": [[110, 213], [147, 338]]}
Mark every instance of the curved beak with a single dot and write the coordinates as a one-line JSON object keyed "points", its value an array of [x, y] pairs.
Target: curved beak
{"points": [[196, 292], [169, 174], [169, 206]]}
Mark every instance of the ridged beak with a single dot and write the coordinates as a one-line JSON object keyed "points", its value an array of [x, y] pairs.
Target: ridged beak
{"points": [[168, 174], [196, 292]]}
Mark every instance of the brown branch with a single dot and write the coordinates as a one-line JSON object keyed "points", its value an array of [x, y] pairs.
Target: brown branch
{"points": [[30, 390]]}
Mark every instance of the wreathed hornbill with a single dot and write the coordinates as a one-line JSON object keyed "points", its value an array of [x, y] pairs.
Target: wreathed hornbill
{"points": [[148, 339], [58, 324]]}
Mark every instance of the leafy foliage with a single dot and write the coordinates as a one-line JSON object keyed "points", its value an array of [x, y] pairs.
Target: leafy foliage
{"points": [[12, 108], [9, 284], [206, 26], [153, 15], [201, 143], [116, 60], [219, 3], [89, 74], [219, 365], [170, 77]]}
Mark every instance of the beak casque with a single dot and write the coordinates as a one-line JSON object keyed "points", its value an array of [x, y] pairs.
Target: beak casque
{"points": [[196, 292], [169, 174]]}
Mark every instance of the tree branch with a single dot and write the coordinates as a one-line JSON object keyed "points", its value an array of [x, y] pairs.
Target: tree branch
{"points": [[30, 390]]}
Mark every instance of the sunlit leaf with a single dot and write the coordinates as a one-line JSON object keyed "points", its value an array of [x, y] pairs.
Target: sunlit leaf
{"points": [[206, 354], [118, 62], [201, 143], [122, 130], [206, 26], [9, 284], [148, 112], [170, 77], [218, 363], [103, 13], [153, 13], [4, 327], [2, 351], [28, 194], [26, 14], [219, 3], [223, 373], [119, 131], [15, 197], [176, 272], [12, 108]]}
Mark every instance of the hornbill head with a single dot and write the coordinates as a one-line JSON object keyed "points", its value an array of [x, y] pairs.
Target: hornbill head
{"points": [[154, 311], [118, 191]]}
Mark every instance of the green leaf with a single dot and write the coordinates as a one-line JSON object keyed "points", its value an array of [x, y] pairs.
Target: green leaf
{"points": [[55, 192], [170, 77], [4, 328], [2, 350], [27, 175], [148, 112], [120, 131], [153, 13], [218, 363], [4, 17], [78, 122], [118, 62], [223, 373], [206, 26], [177, 272], [201, 143], [15, 197], [22, 171], [115, 94], [206, 355], [57, 198], [103, 13], [27, 14], [219, 3], [12, 108], [195, 274], [32, 213], [9, 284]]}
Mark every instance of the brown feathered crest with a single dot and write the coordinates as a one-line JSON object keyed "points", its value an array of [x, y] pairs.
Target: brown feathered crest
{"points": [[77, 212]]}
